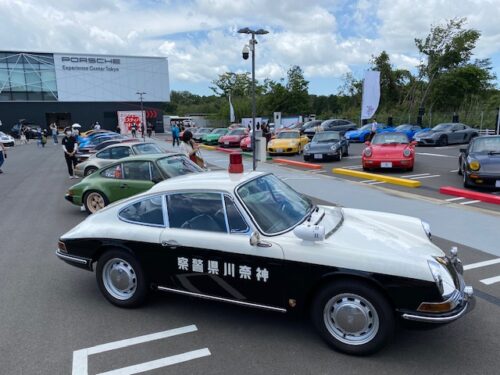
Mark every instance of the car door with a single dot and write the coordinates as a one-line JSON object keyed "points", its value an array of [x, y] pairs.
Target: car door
{"points": [[457, 133], [208, 245]]}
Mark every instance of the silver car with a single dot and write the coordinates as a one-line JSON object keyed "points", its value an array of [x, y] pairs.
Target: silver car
{"points": [[114, 152], [446, 133]]}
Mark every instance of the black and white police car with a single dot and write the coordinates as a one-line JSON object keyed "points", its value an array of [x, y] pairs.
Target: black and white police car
{"points": [[250, 239]]}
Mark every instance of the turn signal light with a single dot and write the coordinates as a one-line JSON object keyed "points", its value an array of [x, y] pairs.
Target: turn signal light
{"points": [[436, 307]]}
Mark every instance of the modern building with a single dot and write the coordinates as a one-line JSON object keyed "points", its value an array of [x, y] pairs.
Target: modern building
{"points": [[69, 88]]}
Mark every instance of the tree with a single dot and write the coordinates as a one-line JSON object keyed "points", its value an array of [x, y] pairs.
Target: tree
{"points": [[297, 88], [236, 84]]}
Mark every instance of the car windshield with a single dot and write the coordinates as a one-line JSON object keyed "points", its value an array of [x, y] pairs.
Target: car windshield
{"points": [[326, 137], [403, 127], [274, 205], [219, 131], [288, 135], [146, 148], [388, 138], [237, 132], [487, 144], [441, 127], [177, 165]]}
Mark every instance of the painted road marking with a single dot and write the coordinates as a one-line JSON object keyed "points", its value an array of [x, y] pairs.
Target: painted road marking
{"points": [[367, 181], [438, 155], [454, 171], [376, 183], [159, 363], [353, 167], [454, 199], [481, 264], [419, 178], [415, 175], [491, 280], [352, 157], [80, 357], [470, 202], [446, 147]]}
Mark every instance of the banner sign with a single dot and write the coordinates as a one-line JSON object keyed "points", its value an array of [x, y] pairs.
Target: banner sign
{"points": [[231, 111], [127, 118], [371, 94]]}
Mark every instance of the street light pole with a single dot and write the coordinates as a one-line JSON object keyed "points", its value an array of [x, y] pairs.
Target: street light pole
{"points": [[253, 42], [143, 120]]}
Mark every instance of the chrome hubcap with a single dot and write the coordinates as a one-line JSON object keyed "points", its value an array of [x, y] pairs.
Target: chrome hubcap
{"points": [[95, 202], [119, 279], [351, 319]]}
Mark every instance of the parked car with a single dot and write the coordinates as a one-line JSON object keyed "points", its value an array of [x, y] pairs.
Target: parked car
{"points": [[7, 140], [326, 145], [333, 125], [251, 240], [287, 142], [200, 132], [246, 143], [111, 153], [233, 137], [446, 133], [388, 151], [479, 163], [310, 124], [362, 134], [33, 130], [212, 138], [127, 177], [409, 129]]}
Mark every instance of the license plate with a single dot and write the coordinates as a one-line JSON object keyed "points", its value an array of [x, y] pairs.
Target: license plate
{"points": [[226, 143], [318, 156], [279, 150], [497, 183], [386, 164]]}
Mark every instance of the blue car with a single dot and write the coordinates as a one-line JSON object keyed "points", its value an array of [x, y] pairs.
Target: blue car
{"points": [[362, 134], [92, 139], [408, 129]]}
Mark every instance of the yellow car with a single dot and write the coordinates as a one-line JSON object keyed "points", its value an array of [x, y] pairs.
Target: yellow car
{"points": [[287, 142]]}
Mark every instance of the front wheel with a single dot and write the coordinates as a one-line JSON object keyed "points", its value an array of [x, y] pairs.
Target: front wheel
{"points": [[121, 279], [443, 140], [346, 151], [94, 201], [353, 317], [339, 155], [466, 180]]}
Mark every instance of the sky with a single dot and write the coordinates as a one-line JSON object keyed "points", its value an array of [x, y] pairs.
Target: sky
{"points": [[199, 37]]}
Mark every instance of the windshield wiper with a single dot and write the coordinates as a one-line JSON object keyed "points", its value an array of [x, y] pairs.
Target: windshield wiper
{"points": [[493, 152]]}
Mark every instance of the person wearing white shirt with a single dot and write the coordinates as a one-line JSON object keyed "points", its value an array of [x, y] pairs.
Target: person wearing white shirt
{"points": [[374, 128]]}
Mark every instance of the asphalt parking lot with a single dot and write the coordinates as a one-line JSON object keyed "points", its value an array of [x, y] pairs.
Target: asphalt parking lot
{"points": [[53, 319]]}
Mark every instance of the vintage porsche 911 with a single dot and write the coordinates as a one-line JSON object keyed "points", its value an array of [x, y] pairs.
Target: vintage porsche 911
{"points": [[251, 240]]}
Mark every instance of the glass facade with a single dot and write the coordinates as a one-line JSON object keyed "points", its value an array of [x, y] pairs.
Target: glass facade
{"points": [[27, 77]]}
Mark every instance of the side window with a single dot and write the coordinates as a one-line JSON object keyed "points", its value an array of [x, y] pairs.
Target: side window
{"points": [[148, 211], [113, 172], [155, 173], [105, 154], [136, 170], [119, 152], [196, 211], [236, 222]]}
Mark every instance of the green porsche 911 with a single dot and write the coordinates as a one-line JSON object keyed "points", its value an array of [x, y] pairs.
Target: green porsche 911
{"points": [[127, 177]]}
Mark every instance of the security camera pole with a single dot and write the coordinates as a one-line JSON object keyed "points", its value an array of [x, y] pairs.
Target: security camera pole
{"points": [[253, 42], [143, 127]]}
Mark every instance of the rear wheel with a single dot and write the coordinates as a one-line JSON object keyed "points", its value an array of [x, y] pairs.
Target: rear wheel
{"points": [[94, 201], [353, 317], [121, 279]]}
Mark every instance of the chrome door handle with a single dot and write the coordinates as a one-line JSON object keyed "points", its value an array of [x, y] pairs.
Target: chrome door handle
{"points": [[169, 243]]}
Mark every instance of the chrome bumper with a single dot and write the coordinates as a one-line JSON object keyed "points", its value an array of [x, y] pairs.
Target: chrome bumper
{"points": [[74, 260]]}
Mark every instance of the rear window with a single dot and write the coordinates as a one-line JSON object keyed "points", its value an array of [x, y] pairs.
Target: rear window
{"points": [[177, 165], [146, 148]]}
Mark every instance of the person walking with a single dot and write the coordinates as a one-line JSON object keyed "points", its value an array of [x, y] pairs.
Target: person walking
{"points": [[175, 135], [53, 132], [373, 128], [133, 130], [149, 129], [44, 138], [70, 147], [97, 126], [3, 156], [190, 148]]}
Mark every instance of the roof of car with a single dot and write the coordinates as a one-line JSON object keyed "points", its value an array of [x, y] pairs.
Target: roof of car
{"points": [[147, 157], [130, 144], [218, 180]]}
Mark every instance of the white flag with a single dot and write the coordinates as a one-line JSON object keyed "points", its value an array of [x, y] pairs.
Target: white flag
{"points": [[371, 94], [231, 111]]}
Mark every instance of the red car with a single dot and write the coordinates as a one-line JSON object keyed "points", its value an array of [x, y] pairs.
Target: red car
{"points": [[388, 151], [233, 137], [246, 144]]}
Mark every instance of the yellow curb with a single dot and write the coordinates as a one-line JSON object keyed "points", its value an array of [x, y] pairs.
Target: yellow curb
{"points": [[378, 177], [206, 147]]}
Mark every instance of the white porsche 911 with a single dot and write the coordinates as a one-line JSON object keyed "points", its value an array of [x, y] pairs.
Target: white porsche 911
{"points": [[250, 239]]}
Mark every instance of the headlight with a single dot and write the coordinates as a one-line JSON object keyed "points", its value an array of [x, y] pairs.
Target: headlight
{"points": [[368, 152], [334, 147], [474, 165], [306, 147], [427, 228], [406, 152], [442, 277]]}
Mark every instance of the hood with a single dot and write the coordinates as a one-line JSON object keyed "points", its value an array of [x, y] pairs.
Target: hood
{"points": [[231, 138], [489, 163], [427, 133], [321, 146], [283, 142], [388, 150], [369, 241]]}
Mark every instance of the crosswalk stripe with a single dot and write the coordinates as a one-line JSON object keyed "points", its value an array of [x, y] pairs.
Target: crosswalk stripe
{"points": [[481, 264], [491, 280], [470, 202]]}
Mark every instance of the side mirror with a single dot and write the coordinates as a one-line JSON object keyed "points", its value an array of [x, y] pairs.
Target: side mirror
{"points": [[367, 143], [254, 239], [308, 232]]}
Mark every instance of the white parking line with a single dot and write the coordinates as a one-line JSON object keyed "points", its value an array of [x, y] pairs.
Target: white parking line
{"points": [[376, 183], [454, 171], [367, 181], [416, 175], [80, 357], [470, 202], [481, 264], [491, 280], [438, 155], [446, 147], [352, 157], [163, 362], [454, 199], [421, 177]]}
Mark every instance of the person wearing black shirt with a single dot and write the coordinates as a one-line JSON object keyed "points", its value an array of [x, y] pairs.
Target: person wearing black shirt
{"points": [[70, 148]]}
